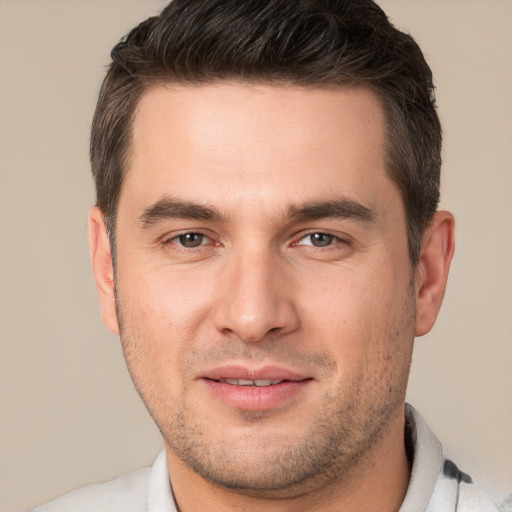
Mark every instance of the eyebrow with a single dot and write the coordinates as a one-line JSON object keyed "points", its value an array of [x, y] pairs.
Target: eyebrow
{"points": [[337, 208], [173, 208]]}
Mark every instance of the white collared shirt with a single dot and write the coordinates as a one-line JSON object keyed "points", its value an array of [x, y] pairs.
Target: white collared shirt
{"points": [[436, 484]]}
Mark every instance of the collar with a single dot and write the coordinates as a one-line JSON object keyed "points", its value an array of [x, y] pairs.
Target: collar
{"points": [[422, 445]]}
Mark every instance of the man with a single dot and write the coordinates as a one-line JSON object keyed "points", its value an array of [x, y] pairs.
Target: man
{"points": [[267, 246]]}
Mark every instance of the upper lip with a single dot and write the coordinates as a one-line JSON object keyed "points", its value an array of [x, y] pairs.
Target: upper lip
{"points": [[247, 373]]}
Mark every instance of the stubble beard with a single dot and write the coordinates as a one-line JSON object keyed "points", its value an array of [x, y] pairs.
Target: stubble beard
{"points": [[337, 442], [347, 423]]}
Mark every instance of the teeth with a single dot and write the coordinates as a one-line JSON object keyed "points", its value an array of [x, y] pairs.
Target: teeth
{"points": [[246, 382], [267, 382], [243, 382]]}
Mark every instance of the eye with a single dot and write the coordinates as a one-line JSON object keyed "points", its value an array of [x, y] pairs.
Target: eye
{"points": [[318, 239], [189, 245], [191, 240]]}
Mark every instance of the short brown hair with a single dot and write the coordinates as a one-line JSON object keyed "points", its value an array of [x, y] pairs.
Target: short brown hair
{"points": [[340, 43]]}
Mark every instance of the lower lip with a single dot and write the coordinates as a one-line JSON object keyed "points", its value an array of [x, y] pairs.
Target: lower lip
{"points": [[256, 398]]}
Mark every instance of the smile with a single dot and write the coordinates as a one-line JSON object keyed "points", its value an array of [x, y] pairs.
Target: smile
{"points": [[252, 389], [245, 382]]}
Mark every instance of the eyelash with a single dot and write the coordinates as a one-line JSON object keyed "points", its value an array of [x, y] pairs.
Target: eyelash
{"points": [[332, 240], [176, 240]]}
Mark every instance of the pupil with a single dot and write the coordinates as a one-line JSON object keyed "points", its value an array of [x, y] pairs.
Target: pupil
{"points": [[321, 239], [191, 240]]}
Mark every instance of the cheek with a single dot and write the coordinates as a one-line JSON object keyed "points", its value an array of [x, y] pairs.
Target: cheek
{"points": [[341, 304], [355, 314], [162, 314]]}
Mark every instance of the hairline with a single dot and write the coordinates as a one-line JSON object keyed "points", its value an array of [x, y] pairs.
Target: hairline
{"points": [[149, 82]]}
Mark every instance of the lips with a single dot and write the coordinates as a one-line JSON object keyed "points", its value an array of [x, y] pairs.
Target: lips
{"points": [[246, 382], [254, 389]]}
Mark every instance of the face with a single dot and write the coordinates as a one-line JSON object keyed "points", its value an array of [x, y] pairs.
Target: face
{"points": [[264, 290]]}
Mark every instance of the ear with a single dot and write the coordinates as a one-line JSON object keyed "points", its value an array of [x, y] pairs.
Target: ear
{"points": [[431, 274], [102, 268]]}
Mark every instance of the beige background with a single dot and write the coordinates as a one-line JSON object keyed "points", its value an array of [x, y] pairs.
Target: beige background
{"points": [[69, 415]]}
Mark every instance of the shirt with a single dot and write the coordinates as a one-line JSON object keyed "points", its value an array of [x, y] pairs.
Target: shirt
{"points": [[436, 484]]}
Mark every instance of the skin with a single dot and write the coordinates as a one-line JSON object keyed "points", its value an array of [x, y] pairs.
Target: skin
{"points": [[258, 228]]}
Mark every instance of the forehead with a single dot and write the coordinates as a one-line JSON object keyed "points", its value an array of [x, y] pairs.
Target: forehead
{"points": [[256, 139]]}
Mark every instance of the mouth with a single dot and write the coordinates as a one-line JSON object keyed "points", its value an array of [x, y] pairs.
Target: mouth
{"points": [[260, 383], [255, 390]]}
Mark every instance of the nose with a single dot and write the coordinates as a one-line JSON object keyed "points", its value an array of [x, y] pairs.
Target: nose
{"points": [[255, 298]]}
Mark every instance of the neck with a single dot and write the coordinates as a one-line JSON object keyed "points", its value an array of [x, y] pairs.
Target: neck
{"points": [[378, 482]]}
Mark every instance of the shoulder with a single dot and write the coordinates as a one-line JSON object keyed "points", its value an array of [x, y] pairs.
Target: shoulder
{"points": [[127, 493], [472, 497], [437, 484], [468, 496]]}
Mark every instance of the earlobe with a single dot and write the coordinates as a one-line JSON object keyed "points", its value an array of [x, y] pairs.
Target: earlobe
{"points": [[102, 266], [431, 273]]}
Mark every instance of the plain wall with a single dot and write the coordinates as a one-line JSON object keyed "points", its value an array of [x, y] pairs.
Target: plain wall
{"points": [[68, 412]]}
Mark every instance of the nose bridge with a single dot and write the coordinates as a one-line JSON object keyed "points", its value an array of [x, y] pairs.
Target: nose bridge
{"points": [[253, 301]]}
